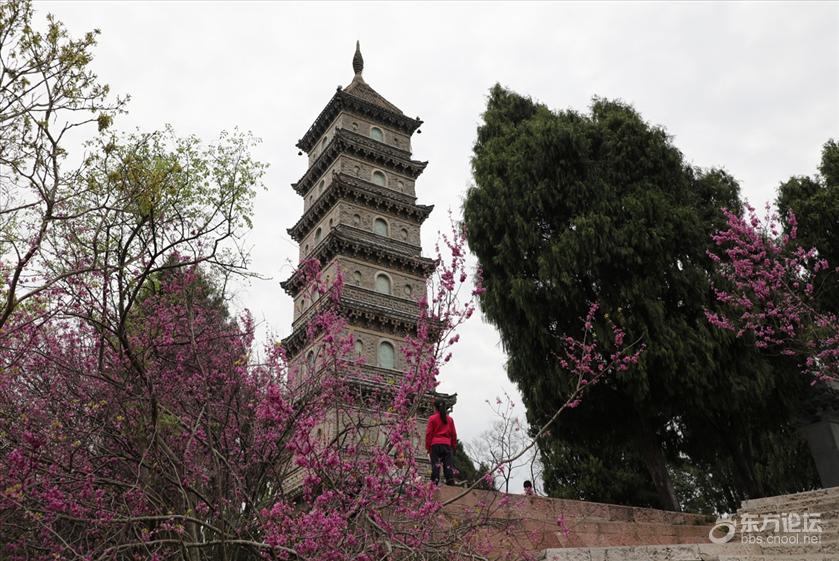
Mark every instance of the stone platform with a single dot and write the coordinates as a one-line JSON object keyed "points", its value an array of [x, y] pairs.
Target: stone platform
{"points": [[819, 543]]}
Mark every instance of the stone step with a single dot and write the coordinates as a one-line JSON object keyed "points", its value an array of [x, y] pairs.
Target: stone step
{"points": [[826, 506], [696, 552], [800, 508], [828, 548], [817, 496], [549, 508], [817, 557], [643, 528], [602, 534], [768, 538], [829, 530], [682, 552], [829, 525], [810, 552]]}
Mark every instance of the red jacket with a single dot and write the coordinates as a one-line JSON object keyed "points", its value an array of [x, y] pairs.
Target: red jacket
{"points": [[437, 432]]}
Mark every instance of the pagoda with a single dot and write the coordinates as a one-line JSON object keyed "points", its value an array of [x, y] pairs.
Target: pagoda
{"points": [[361, 217]]}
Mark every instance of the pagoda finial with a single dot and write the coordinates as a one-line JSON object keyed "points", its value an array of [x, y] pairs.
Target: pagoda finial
{"points": [[357, 60]]}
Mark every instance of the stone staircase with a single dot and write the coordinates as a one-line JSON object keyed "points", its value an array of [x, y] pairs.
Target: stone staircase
{"points": [[817, 511]]}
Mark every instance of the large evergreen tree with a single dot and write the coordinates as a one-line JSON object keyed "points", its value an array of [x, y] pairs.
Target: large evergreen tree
{"points": [[571, 208]]}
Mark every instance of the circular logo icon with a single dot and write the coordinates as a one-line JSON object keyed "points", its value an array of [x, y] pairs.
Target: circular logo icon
{"points": [[722, 526]]}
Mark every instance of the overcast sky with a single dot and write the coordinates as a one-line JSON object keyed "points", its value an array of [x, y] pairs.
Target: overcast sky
{"points": [[751, 87]]}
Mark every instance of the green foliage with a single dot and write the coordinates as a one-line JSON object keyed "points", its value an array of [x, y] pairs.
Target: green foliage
{"points": [[571, 208], [160, 171], [46, 76], [49, 96], [466, 470], [118, 219], [154, 203], [461, 461], [596, 472]]}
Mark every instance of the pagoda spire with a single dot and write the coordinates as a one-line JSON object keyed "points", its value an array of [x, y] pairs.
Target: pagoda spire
{"points": [[357, 60]]}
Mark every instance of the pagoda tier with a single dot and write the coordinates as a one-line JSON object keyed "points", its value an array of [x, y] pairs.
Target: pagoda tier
{"points": [[345, 142], [344, 240], [344, 187], [362, 308]]}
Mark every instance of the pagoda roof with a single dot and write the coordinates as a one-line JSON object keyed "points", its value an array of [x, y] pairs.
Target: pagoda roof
{"points": [[358, 97], [343, 101], [348, 188], [353, 242], [348, 142], [362, 90]]}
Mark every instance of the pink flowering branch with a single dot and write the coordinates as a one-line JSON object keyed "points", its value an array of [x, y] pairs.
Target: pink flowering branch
{"points": [[768, 288]]}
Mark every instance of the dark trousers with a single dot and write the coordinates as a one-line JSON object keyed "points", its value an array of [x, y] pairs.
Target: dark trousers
{"points": [[441, 454]]}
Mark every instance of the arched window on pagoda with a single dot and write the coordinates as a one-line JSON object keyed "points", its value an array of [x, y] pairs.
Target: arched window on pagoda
{"points": [[380, 227], [386, 355], [377, 134], [383, 284], [379, 178]]}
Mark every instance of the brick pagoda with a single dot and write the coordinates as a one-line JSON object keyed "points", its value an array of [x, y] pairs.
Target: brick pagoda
{"points": [[360, 216]]}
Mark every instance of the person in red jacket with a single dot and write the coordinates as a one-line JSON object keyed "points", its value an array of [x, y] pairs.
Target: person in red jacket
{"points": [[440, 442]]}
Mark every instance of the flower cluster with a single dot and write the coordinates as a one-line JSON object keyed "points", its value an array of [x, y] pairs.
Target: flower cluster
{"points": [[767, 285]]}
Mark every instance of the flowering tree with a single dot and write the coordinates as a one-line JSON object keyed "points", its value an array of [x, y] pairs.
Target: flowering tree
{"points": [[768, 291], [176, 444]]}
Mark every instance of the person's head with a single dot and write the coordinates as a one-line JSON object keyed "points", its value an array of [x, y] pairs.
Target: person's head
{"points": [[440, 406], [528, 485]]}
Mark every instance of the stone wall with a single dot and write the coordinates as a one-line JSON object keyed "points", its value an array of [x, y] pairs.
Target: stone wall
{"points": [[534, 524]]}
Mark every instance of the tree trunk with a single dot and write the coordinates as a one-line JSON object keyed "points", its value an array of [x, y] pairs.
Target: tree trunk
{"points": [[653, 458]]}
